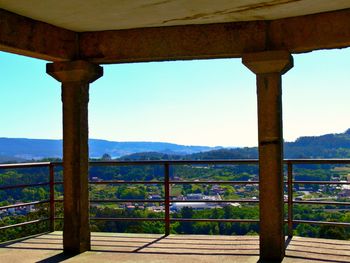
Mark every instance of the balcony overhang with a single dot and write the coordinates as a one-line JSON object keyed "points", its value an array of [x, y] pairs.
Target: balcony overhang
{"points": [[295, 26]]}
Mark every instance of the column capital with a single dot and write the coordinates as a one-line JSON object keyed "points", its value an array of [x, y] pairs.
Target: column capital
{"points": [[73, 71], [268, 62]]}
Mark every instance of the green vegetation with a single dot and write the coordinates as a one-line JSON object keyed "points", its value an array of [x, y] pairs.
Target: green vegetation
{"points": [[326, 146], [177, 173]]}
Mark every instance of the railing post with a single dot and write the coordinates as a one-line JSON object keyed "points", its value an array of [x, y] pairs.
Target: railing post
{"points": [[52, 196], [167, 198], [290, 198]]}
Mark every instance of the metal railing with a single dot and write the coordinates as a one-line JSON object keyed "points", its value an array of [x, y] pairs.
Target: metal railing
{"points": [[291, 182], [50, 201], [167, 183]]}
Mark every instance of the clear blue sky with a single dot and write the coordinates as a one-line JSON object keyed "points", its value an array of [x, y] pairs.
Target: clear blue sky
{"points": [[205, 102]]}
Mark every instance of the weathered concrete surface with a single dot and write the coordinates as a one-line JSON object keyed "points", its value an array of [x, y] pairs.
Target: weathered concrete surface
{"points": [[226, 40], [92, 15], [75, 77], [312, 32], [29, 37], [269, 67], [173, 43], [113, 247], [268, 62], [32, 38]]}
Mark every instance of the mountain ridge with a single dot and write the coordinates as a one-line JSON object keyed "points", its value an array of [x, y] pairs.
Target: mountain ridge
{"points": [[333, 145], [25, 148]]}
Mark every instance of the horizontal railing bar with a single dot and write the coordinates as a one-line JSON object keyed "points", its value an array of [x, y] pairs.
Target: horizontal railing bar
{"points": [[243, 161], [207, 201], [311, 202], [126, 201], [216, 201], [131, 219], [171, 182], [214, 220], [179, 162], [23, 165], [214, 182], [320, 182], [175, 182], [171, 201], [126, 182], [219, 161], [317, 161], [320, 223], [24, 204], [177, 219], [22, 186], [24, 223], [210, 182], [174, 162]]}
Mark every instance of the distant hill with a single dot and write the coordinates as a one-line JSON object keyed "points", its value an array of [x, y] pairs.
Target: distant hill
{"points": [[237, 153], [30, 148], [116, 149], [151, 156], [336, 145], [324, 146], [20, 148], [10, 159]]}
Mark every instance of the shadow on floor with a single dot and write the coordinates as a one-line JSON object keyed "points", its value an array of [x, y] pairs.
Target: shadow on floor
{"points": [[56, 258], [317, 250], [298, 249]]}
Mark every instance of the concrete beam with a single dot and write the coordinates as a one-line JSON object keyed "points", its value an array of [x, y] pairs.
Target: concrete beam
{"points": [[173, 43], [313, 32], [225, 40], [33, 38], [28, 37]]}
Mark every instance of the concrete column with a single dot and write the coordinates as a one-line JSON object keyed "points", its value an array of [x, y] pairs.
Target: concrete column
{"points": [[269, 66], [75, 77]]}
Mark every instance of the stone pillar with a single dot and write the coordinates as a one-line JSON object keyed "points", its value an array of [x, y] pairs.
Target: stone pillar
{"points": [[269, 67], [75, 77]]}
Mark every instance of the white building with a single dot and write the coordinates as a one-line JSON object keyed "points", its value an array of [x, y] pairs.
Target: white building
{"points": [[193, 205]]}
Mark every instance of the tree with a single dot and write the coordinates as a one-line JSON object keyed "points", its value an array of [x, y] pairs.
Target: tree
{"points": [[186, 227], [333, 232], [106, 157]]}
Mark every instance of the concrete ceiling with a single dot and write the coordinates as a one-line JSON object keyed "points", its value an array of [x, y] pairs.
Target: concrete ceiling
{"points": [[99, 15]]}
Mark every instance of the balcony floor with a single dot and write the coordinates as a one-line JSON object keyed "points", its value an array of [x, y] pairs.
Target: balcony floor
{"points": [[112, 247]]}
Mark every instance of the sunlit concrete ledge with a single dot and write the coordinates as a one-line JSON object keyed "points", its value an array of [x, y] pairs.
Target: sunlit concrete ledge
{"points": [[119, 247]]}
